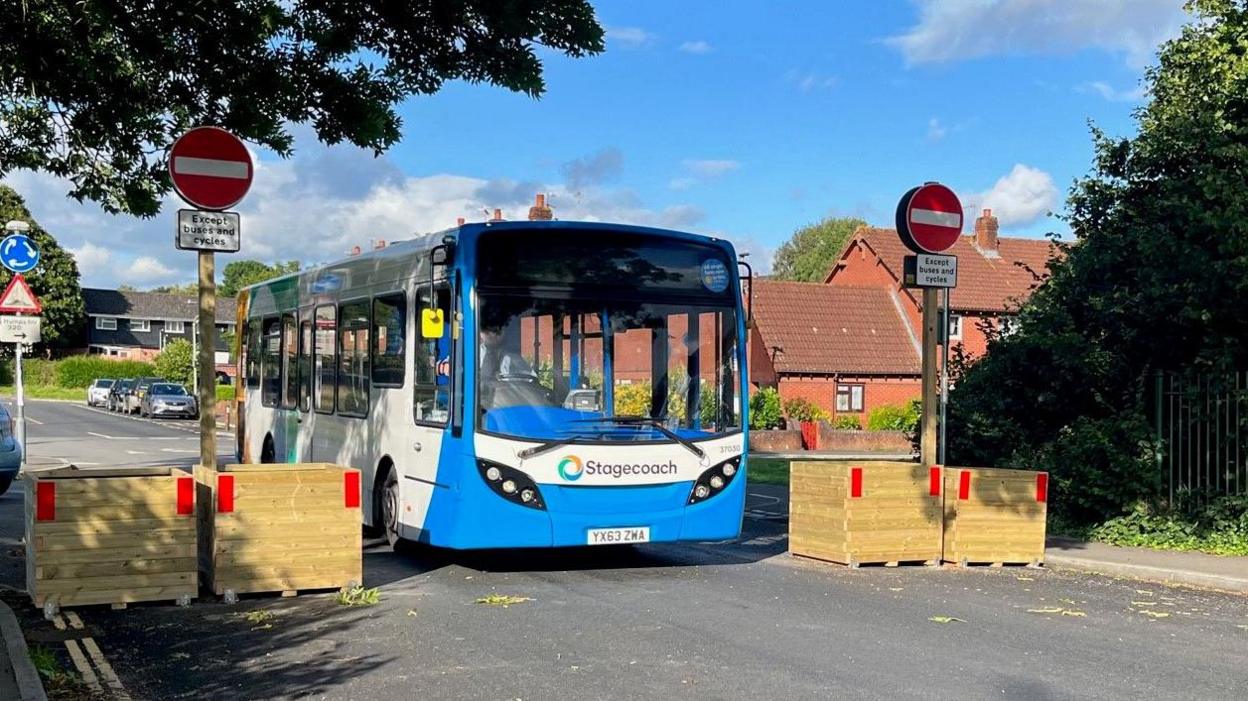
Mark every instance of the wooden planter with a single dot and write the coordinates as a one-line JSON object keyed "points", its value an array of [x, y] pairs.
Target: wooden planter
{"points": [[110, 536], [865, 512], [267, 528], [995, 516]]}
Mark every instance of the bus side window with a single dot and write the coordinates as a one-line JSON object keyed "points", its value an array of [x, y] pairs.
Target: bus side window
{"points": [[305, 364], [325, 357], [432, 386], [389, 335], [270, 363], [353, 366]]}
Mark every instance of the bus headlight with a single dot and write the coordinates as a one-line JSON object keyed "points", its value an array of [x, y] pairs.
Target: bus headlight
{"points": [[714, 480], [511, 484]]}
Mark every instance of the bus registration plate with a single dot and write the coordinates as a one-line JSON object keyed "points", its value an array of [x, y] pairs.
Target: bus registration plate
{"points": [[616, 536]]}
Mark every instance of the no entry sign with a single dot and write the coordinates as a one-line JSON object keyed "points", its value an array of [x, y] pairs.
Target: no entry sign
{"points": [[211, 168], [929, 218]]}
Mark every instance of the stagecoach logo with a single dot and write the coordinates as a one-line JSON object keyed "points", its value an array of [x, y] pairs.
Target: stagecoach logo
{"points": [[570, 468]]}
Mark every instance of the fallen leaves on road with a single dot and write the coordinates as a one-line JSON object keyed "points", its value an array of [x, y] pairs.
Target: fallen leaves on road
{"points": [[1155, 614], [411, 612], [1143, 603], [1025, 579], [503, 600], [1059, 610], [260, 620], [895, 588], [945, 619], [359, 596]]}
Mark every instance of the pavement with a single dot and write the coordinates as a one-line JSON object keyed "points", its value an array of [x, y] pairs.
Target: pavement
{"points": [[700, 620]]}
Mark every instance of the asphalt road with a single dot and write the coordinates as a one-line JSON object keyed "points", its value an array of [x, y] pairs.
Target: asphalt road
{"points": [[732, 620]]}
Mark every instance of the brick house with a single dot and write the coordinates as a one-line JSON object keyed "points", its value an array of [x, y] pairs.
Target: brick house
{"points": [[995, 274], [847, 349], [852, 343], [137, 325]]}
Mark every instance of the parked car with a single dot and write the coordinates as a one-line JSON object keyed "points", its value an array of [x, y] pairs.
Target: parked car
{"points": [[135, 399], [168, 399], [97, 393], [118, 392], [10, 452]]}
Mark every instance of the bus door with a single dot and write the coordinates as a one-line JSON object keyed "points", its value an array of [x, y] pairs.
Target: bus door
{"points": [[431, 393], [306, 417], [286, 417]]}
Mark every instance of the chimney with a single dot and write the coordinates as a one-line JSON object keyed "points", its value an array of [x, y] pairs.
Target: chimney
{"points": [[986, 239], [355, 250], [539, 211], [381, 243], [498, 215], [459, 221]]}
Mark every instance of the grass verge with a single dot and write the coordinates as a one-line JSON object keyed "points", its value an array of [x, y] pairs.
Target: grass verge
{"points": [[768, 471], [46, 392]]}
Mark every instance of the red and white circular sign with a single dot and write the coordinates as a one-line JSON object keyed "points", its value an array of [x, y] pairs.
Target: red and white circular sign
{"points": [[211, 168], [929, 218]]}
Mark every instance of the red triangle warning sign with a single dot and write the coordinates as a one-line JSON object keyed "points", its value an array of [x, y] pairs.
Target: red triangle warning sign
{"points": [[18, 299]]}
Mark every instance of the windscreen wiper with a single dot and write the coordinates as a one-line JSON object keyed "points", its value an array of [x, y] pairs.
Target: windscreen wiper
{"points": [[657, 425]]}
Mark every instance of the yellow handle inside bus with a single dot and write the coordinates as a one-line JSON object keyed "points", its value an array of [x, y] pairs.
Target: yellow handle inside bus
{"points": [[431, 323]]}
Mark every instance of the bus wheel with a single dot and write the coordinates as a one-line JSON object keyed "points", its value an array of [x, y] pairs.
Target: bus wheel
{"points": [[390, 507], [268, 454]]}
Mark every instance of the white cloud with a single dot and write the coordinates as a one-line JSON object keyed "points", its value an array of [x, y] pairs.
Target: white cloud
{"points": [[629, 37], [1109, 92], [92, 259], [807, 81], [146, 269], [1020, 197], [711, 168], [594, 168], [954, 30], [696, 47], [935, 130]]}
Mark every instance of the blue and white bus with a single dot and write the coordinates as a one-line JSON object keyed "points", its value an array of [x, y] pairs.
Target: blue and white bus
{"points": [[512, 384]]}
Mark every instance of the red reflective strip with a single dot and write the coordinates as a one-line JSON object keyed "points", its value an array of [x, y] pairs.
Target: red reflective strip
{"points": [[933, 481], [225, 494], [45, 501], [186, 496], [964, 485], [855, 482], [1042, 487], [351, 489]]}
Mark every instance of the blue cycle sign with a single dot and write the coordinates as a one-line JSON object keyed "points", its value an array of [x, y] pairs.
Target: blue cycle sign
{"points": [[19, 253]]}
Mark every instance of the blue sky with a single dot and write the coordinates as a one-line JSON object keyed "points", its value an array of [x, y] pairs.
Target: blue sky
{"points": [[745, 120]]}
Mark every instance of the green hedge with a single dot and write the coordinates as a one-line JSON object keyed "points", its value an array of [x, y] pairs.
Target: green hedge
{"points": [[74, 372]]}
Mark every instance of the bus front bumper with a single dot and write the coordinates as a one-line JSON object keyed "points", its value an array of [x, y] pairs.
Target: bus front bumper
{"points": [[571, 512]]}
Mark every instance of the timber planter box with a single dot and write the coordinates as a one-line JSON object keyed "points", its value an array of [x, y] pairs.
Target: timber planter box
{"points": [[113, 536], [865, 512], [995, 516], [279, 528]]}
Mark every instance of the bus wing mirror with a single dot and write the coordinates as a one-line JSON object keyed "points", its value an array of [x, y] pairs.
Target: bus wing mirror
{"points": [[748, 279], [432, 323]]}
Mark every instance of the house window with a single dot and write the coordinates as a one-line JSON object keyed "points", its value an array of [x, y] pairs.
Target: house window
{"points": [[849, 398], [106, 323], [140, 325], [175, 326], [955, 327], [1007, 325]]}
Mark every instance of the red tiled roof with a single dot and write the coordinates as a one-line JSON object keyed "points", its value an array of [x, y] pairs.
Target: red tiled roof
{"points": [[985, 283], [827, 329]]}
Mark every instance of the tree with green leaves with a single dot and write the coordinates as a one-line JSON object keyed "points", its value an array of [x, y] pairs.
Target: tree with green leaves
{"points": [[189, 288], [1155, 280], [176, 362], [55, 281], [241, 273], [811, 251], [96, 91]]}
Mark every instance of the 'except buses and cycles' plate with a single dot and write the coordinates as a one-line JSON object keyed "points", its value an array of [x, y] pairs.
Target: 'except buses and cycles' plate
{"points": [[617, 536]]}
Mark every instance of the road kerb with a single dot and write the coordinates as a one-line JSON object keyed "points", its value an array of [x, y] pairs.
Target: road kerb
{"points": [[1163, 575], [29, 686]]}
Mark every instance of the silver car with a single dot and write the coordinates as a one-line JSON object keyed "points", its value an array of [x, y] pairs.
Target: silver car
{"points": [[10, 453], [168, 399], [97, 393]]}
